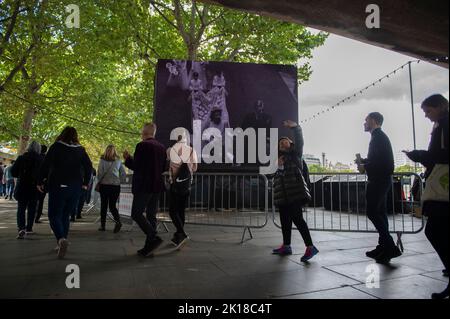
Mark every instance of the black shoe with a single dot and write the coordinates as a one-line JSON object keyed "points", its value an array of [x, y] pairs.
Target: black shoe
{"points": [[37, 222], [102, 229], [150, 247], [388, 254], [445, 273], [117, 227], [441, 295], [72, 219], [374, 253], [179, 239], [79, 217]]}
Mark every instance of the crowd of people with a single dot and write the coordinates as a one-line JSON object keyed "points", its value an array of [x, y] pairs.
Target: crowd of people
{"points": [[66, 173]]}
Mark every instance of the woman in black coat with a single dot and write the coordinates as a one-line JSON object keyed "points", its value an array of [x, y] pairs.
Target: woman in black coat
{"points": [[437, 230], [291, 192], [26, 170]]}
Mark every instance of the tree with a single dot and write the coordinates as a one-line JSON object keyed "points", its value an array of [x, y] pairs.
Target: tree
{"points": [[405, 169], [100, 77]]}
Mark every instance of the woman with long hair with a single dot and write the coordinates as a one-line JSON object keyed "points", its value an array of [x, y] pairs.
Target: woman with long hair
{"points": [[111, 172], [67, 169]]}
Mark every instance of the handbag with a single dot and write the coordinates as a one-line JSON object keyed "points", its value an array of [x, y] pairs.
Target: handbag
{"points": [[436, 186], [97, 187]]}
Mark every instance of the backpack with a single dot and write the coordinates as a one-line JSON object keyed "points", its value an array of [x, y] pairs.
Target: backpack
{"points": [[183, 182]]}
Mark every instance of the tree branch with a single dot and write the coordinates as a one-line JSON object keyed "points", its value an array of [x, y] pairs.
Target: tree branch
{"points": [[163, 15], [10, 27]]}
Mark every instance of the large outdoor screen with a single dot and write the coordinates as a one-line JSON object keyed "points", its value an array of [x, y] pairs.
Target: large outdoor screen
{"points": [[221, 96]]}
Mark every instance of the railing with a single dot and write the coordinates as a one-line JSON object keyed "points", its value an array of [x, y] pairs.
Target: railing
{"points": [[339, 204]]}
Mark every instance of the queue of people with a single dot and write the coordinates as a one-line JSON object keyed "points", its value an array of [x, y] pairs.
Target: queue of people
{"points": [[66, 171]]}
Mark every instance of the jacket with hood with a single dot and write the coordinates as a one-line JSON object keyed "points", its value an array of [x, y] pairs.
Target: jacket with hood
{"points": [[66, 164], [26, 170]]}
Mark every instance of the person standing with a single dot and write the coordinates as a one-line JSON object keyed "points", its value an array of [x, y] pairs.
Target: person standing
{"points": [[2, 173], [147, 164], [26, 170], [379, 167], [182, 164], [437, 230], [110, 174], [291, 192], [10, 182], [41, 196], [63, 167]]}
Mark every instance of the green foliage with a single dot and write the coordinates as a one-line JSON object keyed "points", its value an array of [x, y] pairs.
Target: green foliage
{"points": [[100, 77]]}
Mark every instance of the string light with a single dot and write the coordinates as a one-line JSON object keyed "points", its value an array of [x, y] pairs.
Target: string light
{"points": [[387, 76]]}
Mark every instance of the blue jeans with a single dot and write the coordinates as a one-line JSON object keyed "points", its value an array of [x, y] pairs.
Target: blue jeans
{"points": [[10, 184], [23, 223], [61, 202]]}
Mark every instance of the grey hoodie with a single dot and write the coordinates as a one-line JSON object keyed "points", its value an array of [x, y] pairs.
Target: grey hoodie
{"points": [[110, 172]]}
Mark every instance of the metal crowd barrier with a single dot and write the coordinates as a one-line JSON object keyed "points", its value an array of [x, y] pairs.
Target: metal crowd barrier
{"points": [[226, 200], [339, 204]]}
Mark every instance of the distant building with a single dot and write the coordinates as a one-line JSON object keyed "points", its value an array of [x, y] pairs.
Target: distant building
{"points": [[6, 155], [341, 167], [311, 160]]}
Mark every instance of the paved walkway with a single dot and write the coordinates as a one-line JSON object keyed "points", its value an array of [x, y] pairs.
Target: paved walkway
{"points": [[212, 265]]}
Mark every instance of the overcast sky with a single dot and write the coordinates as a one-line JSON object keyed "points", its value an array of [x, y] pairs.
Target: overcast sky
{"points": [[342, 67]]}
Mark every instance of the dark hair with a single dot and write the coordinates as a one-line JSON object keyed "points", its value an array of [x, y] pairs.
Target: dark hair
{"points": [[259, 103], [44, 149], [377, 117], [436, 101], [69, 136]]}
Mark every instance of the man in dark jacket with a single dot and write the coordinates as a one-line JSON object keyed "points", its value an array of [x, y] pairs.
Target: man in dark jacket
{"points": [[26, 170], [379, 167], [147, 164]]}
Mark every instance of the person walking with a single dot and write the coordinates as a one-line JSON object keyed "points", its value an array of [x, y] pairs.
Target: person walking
{"points": [[148, 165], [291, 192], [111, 173], [437, 230], [41, 196], [2, 173], [379, 167], [26, 170], [10, 182], [67, 168], [3, 181], [182, 164]]}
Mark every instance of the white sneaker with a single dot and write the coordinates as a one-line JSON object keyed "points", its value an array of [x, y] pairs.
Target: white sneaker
{"points": [[21, 234], [62, 249]]}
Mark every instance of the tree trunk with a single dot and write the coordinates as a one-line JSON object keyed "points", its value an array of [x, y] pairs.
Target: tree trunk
{"points": [[27, 125], [192, 52]]}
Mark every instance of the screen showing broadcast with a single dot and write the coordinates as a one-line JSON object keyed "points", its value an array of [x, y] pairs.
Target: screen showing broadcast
{"points": [[213, 100]]}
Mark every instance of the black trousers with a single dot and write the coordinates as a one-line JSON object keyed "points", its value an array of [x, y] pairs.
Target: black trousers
{"points": [[289, 214], [40, 205], [437, 232], [147, 203], [376, 209], [109, 195], [177, 207]]}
